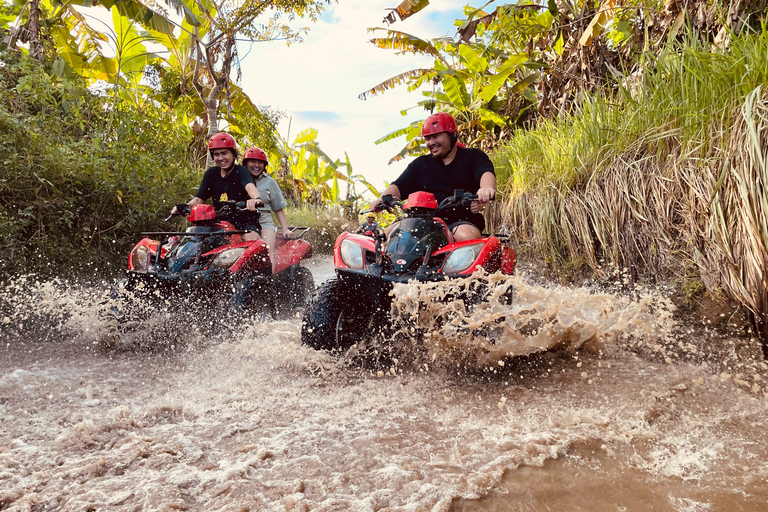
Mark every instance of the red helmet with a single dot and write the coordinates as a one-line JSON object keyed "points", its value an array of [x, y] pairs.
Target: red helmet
{"points": [[255, 154], [201, 212], [438, 123], [222, 140], [421, 200]]}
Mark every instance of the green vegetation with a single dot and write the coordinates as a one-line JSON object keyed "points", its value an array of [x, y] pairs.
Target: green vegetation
{"points": [[79, 179], [658, 181], [686, 100]]}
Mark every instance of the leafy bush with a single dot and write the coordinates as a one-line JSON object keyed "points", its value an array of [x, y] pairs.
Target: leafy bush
{"points": [[82, 175]]}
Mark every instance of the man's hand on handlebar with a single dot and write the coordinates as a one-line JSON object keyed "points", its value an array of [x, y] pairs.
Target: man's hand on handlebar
{"points": [[486, 194], [180, 209], [386, 202], [476, 206], [254, 204], [376, 205]]}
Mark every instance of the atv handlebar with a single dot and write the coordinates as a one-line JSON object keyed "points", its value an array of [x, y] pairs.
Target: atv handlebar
{"points": [[388, 202], [459, 198], [181, 209], [238, 206], [304, 230]]}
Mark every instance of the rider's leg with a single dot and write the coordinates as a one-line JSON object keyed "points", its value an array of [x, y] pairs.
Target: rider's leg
{"points": [[391, 227], [250, 236], [268, 235], [466, 232]]}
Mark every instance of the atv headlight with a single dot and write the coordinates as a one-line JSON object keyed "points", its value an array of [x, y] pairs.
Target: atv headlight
{"points": [[352, 254], [139, 258], [226, 258], [461, 258]]}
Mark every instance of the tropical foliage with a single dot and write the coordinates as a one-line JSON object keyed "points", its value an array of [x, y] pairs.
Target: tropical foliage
{"points": [[79, 181], [660, 183], [525, 61], [193, 59], [308, 175]]}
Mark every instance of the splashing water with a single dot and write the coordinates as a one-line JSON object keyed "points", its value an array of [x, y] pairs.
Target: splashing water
{"points": [[480, 321], [259, 422]]}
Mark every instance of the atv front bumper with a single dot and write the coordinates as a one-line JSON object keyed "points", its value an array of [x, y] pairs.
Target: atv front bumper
{"points": [[166, 283]]}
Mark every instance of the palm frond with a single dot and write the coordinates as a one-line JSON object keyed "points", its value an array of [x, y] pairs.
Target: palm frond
{"points": [[395, 80], [405, 43]]}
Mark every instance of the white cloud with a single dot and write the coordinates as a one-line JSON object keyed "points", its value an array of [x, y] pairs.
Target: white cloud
{"points": [[324, 75]]}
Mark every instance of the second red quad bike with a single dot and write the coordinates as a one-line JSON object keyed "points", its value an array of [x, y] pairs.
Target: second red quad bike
{"points": [[349, 308], [211, 268]]}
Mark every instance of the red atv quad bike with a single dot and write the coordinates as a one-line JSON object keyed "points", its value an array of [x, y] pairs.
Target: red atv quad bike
{"points": [[356, 304], [211, 268]]}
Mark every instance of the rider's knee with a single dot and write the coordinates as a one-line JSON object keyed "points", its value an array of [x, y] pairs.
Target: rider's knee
{"points": [[466, 232]]}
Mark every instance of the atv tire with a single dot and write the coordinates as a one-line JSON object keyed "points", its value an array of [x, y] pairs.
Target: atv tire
{"points": [[292, 292], [250, 298], [303, 287], [337, 318]]}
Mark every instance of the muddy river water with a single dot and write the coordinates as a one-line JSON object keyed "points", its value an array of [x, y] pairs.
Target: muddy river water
{"points": [[626, 411]]}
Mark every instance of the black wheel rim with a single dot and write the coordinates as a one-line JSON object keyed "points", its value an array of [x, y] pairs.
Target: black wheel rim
{"points": [[350, 328]]}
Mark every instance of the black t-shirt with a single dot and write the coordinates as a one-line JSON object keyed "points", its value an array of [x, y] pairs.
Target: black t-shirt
{"points": [[428, 174], [230, 188]]}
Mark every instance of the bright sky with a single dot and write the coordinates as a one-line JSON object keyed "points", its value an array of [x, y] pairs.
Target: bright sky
{"points": [[317, 82]]}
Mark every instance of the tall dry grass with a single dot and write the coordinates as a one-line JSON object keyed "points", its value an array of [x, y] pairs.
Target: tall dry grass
{"points": [[657, 183]]}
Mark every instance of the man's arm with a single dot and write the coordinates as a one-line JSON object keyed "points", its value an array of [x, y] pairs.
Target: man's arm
{"points": [[253, 193], [487, 190]]}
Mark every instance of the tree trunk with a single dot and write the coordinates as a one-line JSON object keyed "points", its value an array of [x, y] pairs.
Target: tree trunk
{"points": [[221, 80]]}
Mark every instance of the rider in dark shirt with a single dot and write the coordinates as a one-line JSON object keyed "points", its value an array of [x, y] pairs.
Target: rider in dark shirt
{"points": [[448, 167], [227, 181]]}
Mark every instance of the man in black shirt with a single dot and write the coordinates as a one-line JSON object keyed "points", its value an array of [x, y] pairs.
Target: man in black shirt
{"points": [[227, 181], [449, 166]]}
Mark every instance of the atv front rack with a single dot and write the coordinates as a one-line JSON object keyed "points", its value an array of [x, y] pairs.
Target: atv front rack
{"points": [[188, 233], [304, 230]]}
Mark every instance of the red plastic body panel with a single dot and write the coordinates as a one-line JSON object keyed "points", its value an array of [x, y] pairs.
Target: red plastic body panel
{"points": [[491, 250], [290, 252], [421, 200], [362, 240], [256, 255], [201, 212], [149, 244], [492, 245], [508, 260], [227, 226]]}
